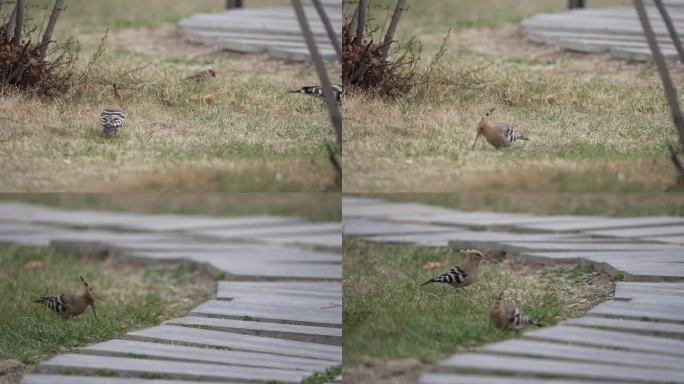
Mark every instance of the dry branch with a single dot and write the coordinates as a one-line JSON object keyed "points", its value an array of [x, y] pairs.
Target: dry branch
{"points": [[392, 29], [18, 22], [328, 95], [670, 90], [360, 21], [47, 36], [328, 28]]}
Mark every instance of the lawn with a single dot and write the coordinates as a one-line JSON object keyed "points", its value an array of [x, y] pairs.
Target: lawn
{"points": [[608, 130], [591, 204], [311, 206], [393, 328], [127, 297], [254, 137]]}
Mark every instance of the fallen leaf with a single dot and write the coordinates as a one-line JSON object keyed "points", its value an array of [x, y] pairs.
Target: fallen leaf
{"points": [[34, 264], [550, 99], [208, 99], [433, 264]]}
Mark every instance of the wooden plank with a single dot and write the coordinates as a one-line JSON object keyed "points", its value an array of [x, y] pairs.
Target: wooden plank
{"points": [[631, 290], [531, 348], [33, 378], [91, 364], [597, 223], [487, 363], [138, 349], [639, 311], [305, 333], [633, 326], [609, 339], [445, 378], [331, 317], [364, 227], [238, 342]]}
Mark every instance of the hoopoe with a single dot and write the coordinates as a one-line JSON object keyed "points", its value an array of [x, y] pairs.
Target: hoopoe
{"points": [[463, 275], [113, 118], [71, 304], [338, 91], [497, 134], [507, 316], [202, 75]]}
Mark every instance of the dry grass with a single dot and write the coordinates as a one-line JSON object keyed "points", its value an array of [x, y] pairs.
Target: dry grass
{"points": [[608, 130], [255, 137]]}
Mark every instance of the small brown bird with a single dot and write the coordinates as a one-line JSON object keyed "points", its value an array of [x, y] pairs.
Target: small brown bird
{"points": [[507, 316], [497, 134], [464, 275], [202, 75], [70, 305], [113, 118]]}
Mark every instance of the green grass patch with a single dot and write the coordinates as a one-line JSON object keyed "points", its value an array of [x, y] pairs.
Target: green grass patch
{"points": [[387, 315], [127, 297], [312, 206], [324, 377]]}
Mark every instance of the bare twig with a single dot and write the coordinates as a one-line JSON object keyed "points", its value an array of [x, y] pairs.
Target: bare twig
{"points": [[671, 28], [392, 29], [18, 22], [360, 22], [328, 95], [47, 36], [328, 28], [670, 90]]}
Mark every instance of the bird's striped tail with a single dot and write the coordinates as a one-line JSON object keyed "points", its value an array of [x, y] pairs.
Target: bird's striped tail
{"points": [[54, 302]]}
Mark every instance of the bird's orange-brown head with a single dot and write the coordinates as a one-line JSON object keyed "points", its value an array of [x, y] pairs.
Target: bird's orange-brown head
{"points": [[118, 96], [483, 124], [474, 256], [88, 295]]}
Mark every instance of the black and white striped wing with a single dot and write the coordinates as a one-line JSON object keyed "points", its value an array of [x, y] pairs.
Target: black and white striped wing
{"points": [[513, 135], [111, 121], [338, 91], [455, 275], [55, 303]]}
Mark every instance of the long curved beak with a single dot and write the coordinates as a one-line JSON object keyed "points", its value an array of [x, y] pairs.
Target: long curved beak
{"points": [[94, 312], [493, 260], [476, 137]]}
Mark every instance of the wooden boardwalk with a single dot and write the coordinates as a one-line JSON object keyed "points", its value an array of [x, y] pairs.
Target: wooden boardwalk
{"points": [[616, 30], [278, 319], [637, 337], [274, 30]]}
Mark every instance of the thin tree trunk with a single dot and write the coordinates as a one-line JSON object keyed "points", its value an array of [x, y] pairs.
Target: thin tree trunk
{"points": [[9, 27], [18, 23], [392, 29], [335, 117], [328, 28], [2, 4], [354, 19], [670, 90], [361, 22], [47, 36], [671, 28]]}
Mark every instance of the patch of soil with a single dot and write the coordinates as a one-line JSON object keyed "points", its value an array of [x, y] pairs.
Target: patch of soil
{"points": [[400, 371], [11, 371]]}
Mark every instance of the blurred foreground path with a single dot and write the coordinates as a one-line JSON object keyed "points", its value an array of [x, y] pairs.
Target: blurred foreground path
{"points": [[637, 337], [274, 30], [597, 30], [278, 318]]}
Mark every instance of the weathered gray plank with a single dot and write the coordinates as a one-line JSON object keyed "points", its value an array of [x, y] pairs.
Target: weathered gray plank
{"points": [[322, 335], [33, 378], [634, 326], [596, 223], [363, 227], [558, 351], [631, 290], [445, 378], [238, 342], [666, 230], [639, 311], [138, 349], [487, 363], [169, 369], [609, 339], [329, 317]]}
